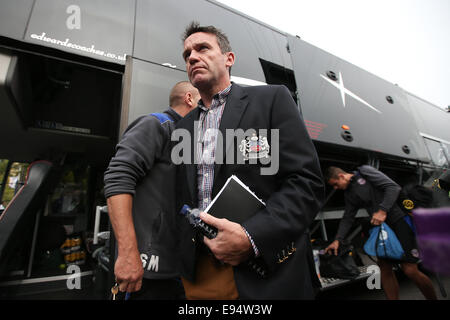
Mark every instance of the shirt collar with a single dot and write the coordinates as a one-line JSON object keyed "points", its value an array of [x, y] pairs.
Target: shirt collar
{"points": [[354, 180], [173, 114], [221, 97]]}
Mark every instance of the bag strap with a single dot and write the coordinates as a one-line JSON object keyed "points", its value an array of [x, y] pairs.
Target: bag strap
{"points": [[384, 242], [162, 117], [380, 233], [376, 242]]}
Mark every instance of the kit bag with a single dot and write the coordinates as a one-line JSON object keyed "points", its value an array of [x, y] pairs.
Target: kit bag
{"points": [[341, 266], [383, 243]]}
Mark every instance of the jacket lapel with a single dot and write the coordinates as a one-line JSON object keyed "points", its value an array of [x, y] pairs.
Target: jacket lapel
{"points": [[191, 169], [236, 104]]}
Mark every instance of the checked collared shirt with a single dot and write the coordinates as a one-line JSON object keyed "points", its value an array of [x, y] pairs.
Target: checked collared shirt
{"points": [[208, 127]]}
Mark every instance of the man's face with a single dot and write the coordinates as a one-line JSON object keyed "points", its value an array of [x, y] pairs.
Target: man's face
{"points": [[206, 65], [341, 183]]}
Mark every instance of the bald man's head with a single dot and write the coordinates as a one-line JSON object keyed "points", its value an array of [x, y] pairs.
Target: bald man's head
{"points": [[181, 93]]}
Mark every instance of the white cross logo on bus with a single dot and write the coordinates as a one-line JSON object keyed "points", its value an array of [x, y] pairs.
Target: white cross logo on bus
{"points": [[340, 86]]}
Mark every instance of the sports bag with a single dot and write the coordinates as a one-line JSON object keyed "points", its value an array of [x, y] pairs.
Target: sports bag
{"points": [[383, 243], [341, 266]]}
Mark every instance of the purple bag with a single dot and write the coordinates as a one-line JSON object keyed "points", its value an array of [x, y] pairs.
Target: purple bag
{"points": [[433, 238]]}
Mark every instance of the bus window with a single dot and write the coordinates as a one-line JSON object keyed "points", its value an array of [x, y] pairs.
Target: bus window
{"points": [[68, 201], [4, 169], [446, 148], [276, 74], [437, 152], [15, 178]]}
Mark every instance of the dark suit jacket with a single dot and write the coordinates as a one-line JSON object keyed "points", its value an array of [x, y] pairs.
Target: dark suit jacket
{"points": [[293, 195]]}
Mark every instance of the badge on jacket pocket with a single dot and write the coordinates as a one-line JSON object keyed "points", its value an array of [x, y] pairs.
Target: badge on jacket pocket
{"points": [[254, 147]]}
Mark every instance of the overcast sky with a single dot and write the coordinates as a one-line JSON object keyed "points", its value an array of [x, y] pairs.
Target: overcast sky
{"points": [[406, 42]]}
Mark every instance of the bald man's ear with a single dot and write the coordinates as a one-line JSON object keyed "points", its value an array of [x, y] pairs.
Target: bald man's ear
{"points": [[188, 99]]}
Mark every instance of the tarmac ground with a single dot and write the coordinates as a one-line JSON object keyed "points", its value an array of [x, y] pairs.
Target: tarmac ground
{"points": [[359, 290]]}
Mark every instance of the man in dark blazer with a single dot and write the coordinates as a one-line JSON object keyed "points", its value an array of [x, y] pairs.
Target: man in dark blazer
{"points": [[267, 256]]}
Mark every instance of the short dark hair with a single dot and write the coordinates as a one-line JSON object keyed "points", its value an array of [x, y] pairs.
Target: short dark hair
{"points": [[222, 38], [332, 173]]}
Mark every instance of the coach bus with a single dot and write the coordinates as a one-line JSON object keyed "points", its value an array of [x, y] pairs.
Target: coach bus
{"points": [[74, 74]]}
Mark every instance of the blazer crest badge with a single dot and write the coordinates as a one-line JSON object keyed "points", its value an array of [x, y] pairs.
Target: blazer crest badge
{"points": [[254, 147]]}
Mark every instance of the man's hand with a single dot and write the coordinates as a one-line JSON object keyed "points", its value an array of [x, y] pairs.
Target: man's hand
{"points": [[231, 245], [128, 268], [378, 217], [334, 246], [129, 271]]}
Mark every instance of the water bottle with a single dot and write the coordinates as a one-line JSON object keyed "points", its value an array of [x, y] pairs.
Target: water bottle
{"points": [[193, 216], [317, 261]]}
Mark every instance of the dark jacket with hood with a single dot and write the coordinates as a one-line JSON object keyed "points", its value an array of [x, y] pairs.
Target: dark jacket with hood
{"points": [[142, 167]]}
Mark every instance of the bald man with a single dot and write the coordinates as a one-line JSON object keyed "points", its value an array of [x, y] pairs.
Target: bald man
{"points": [[183, 98], [139, 188]]}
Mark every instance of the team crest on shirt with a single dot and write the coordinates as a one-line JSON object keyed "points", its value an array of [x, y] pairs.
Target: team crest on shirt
{"points": [[361, 181], [415, 253], [255, 147], [408, 204]]}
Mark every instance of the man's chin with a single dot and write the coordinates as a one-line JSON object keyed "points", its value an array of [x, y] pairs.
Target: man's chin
{"points": [[200, 82]]}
